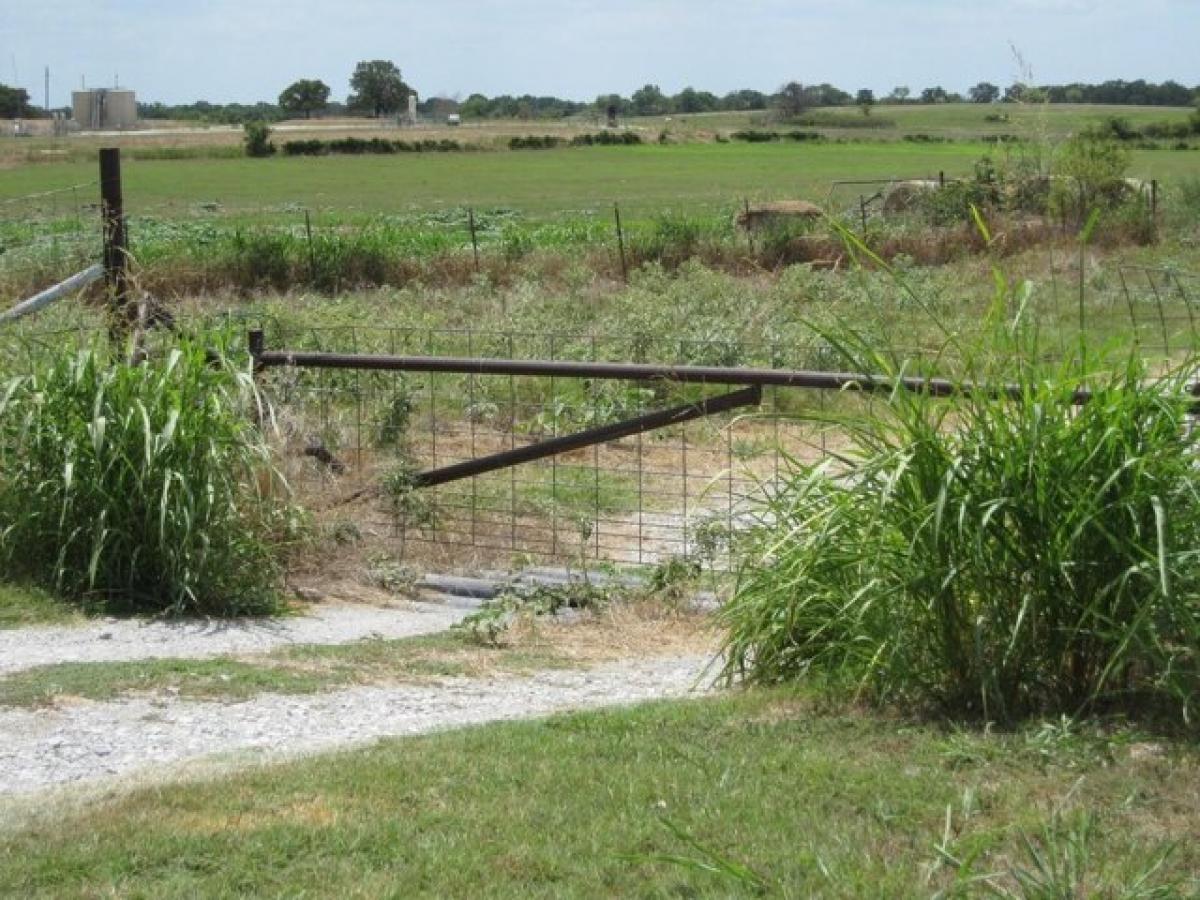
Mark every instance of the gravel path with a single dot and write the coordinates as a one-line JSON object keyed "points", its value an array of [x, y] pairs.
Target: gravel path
{"points": [[114, 640], [90, 742]]}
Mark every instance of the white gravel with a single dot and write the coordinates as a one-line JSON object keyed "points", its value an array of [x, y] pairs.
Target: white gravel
{"points": [[115, 640], [87, 743]]}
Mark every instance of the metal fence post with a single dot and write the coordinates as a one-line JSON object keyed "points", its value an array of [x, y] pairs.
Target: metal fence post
{"points": [[621, 242], [312, 253], [474, 236]]}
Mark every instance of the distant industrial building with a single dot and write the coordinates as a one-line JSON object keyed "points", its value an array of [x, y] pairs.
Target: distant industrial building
{"points": [[103, 109]]}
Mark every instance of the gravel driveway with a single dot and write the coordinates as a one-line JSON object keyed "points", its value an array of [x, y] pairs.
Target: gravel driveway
{"points": [[116, 640], [86, 743]]}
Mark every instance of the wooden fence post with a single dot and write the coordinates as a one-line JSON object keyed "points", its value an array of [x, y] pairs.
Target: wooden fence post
{"points": [[116, 248]]}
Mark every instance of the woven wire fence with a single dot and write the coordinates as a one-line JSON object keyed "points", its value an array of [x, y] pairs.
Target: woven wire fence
{"points": [[354, 440]]}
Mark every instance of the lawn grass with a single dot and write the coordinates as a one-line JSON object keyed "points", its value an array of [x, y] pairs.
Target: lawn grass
{"points": [[21, 606], [301, 669], [660, 800]]}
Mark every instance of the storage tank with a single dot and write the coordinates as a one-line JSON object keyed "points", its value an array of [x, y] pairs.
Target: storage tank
{"points": [[104, 108]]}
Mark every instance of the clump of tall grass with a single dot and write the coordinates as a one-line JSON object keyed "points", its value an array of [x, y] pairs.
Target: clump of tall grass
{"points": [[989, 556], [140, 489]]}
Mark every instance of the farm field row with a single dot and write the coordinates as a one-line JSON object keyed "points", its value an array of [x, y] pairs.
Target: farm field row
{"points": [[960, 121], [953, 120], [546, 184]]}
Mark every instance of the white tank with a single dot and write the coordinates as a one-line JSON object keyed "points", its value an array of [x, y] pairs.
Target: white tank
{"points": [[104, 109]]}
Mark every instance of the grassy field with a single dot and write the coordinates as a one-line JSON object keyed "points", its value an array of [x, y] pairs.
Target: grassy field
{"points": [[21, 606], [951, 120], [644, 180], [741, 795], [545, 184], [961, 121]]}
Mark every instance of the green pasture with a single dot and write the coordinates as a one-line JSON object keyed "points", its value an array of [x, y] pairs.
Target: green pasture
{"points": [[956, 120], [539, 183]]}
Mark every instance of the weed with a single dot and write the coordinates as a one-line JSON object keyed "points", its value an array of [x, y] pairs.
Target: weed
{"points": [[408, 504], [141, 488], [495, 616], [709, 861], [994, 556]]}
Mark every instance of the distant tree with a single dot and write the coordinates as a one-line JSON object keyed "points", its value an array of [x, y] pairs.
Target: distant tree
{"points": [[440, 107], [934, 95], [378, 88], [257, 139], [649, 101], [14, 103], [900, 94], [476, 106], [865, 99], [792, 100], [1027, 93], [690, 100], [615, 101], [825, 94], [305, 96], [984, 92], [744, 100]]}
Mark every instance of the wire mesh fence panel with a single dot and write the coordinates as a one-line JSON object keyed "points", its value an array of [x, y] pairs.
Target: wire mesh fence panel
{"points": [[356, 441], [47, 235]]}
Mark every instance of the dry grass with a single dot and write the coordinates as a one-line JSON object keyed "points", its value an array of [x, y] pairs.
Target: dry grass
{"points": [[627, 630]]}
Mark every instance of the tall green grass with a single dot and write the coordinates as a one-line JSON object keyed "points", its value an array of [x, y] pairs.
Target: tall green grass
{"points": [[989, 556], [141, 489]]}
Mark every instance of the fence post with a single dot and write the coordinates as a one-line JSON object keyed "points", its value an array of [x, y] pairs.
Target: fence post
{"points": [[749, 225], [862, 208], [256, 343], [474, 236], [621, 242], [312, 253], [1154, 201], [942, 179], [116, 249]]}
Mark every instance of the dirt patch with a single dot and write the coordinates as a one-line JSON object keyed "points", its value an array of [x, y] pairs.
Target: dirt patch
{"points": [[623, 631], [310, 813]]}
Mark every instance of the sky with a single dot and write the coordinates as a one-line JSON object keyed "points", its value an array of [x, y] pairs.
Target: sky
{"points": [[248, 50]]}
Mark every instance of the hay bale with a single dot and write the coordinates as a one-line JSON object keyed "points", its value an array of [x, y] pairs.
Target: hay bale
{"points": [[906, 195], [761, 216]]}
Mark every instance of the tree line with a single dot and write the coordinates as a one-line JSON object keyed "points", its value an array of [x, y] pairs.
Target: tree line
{"points": [[378, 89]]}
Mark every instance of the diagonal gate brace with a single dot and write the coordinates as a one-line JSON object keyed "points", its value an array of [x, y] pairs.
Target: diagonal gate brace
{"points": [[751, 396]]}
